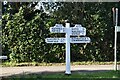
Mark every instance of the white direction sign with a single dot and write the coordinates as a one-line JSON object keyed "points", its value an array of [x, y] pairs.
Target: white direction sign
{"points": [[58, 28], [3, 57], [80, 40], [118, 28], [72, 40], [55, 40], [78, 30], [74, 31]]}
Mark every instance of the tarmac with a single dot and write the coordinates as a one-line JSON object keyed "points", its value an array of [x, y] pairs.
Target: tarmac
{"points": [[11, 71]]}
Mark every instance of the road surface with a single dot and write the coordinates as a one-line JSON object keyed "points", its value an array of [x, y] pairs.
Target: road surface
{"points": [[9, 71]]}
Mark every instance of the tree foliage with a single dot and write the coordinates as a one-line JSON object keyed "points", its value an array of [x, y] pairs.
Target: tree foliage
{"points": [[24, 31]]}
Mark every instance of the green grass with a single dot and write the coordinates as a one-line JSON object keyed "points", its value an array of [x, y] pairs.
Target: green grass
{"points": [[12, 64], [106, 75]]}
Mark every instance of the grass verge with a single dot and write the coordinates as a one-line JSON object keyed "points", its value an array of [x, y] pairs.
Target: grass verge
{"points": [[106, 75]]}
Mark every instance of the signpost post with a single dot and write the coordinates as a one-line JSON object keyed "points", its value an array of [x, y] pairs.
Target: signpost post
{"points": [[117, 29], [74, 31], [68, 49]]}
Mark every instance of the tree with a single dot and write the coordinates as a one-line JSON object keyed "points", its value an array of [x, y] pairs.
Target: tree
{"points": [[25, 30], [97, 18]]}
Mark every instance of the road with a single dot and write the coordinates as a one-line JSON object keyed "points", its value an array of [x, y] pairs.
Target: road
{"points": [[9, 71]]}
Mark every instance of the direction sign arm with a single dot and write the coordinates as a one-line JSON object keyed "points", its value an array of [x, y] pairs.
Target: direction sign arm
{"points": [[118, 28]]}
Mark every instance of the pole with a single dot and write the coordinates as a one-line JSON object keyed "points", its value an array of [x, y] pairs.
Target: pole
{"points": [[115, 44], [113, 9], [68, 72]]}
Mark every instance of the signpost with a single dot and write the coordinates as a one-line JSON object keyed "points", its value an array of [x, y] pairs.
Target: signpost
{"points": [[117, 29], [78, 30]]}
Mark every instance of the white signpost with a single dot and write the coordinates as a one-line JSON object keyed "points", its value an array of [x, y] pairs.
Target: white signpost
{"points": [[117, 29], [78, 30]]}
